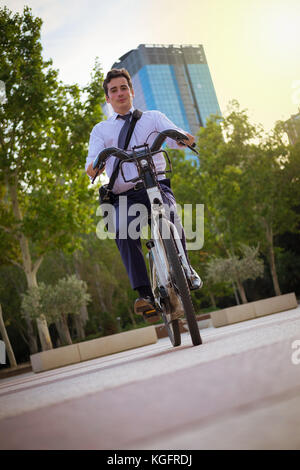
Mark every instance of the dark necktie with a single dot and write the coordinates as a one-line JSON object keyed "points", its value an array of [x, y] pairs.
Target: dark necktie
{"points": [[122, 135], [124, 130]]}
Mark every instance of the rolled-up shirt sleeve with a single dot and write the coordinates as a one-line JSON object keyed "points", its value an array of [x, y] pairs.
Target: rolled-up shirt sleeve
{"points": [[96, 144], [163, 123]]}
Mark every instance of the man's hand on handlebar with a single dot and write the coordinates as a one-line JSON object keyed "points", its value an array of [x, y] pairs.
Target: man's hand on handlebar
{"points": [[190, 141], [91, 172]]}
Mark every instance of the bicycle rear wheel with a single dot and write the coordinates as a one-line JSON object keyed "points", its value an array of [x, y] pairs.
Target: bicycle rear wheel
{"points": [[180, 284], [172, 326]]}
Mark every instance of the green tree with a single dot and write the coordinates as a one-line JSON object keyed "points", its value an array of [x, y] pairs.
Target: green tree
{"points": [[4, 335], [272, 182], [68, 296], [236, 269], [56, 302], [248, 185], [45, 201]]}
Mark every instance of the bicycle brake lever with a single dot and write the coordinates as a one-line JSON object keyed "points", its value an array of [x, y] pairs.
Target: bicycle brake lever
{"points": [[191, 147], [95, 176], [102, 165]]}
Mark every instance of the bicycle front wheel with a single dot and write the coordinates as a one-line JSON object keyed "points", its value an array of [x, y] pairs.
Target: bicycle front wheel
{"points": [[180, 284], [172, 326]]}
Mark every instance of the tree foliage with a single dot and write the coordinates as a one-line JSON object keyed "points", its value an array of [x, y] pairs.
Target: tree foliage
{"points": [[247, 185], [44, 137], [235, 268], [45, 201], [66, 297]]}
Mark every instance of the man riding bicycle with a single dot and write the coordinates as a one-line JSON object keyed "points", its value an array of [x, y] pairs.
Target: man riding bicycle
{"points": [[119, 93]]}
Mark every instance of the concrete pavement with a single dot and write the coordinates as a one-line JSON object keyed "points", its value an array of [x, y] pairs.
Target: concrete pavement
{"points": [[239, 390]]}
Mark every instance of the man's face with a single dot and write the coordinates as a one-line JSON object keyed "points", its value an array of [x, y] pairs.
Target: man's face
{"points": [[119, 95]]}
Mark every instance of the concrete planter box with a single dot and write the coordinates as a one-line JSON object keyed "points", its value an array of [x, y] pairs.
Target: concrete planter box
{"points": [[116, 343], [275, 304], [242, 313], [54, 358], [92, 349], [219, 318], [251, 310]]}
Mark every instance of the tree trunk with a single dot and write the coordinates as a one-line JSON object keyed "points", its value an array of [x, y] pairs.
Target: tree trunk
{"points": [[30, 272], [28, 333], [84, 314], [79, 325], [9, 349], [236, 294], [212, 299], [81, 319], [273, 269], [271, 256], [32, 339], [63, 330], [43, 330], [99, 289], [242, 291]]}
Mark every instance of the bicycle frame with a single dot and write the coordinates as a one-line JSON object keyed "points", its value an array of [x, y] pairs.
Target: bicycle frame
{"points": [[157, 212]]}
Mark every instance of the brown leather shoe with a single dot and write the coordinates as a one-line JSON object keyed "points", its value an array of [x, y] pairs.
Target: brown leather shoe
{"points": [[145, 306]]}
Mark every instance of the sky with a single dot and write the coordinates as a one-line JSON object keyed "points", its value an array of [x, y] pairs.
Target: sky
{"points": [[252, 46]]}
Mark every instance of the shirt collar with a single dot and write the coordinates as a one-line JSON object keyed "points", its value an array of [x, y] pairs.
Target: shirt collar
{"points": [[115, 115]]}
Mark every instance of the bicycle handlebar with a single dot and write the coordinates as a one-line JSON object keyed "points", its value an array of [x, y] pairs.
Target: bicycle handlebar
{"points": [[172, 133], [99, 161]]}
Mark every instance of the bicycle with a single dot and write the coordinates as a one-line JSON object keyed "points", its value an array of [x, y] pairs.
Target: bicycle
{"points": [[171, 276]]}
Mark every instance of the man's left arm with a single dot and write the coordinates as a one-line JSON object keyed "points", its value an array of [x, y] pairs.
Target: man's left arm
{"points": [[163, 123], [96, 144]]}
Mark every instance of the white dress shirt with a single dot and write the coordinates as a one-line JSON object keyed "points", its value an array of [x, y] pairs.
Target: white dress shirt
{"points": [[105, 134]]}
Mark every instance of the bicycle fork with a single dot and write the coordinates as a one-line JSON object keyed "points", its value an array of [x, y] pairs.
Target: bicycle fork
{"points": [[157, 211]]}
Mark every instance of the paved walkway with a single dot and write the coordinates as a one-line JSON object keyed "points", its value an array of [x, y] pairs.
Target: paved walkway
{"points": [[239, 390]]}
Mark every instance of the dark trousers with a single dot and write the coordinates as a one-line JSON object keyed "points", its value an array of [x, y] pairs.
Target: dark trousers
{"points": [[131, 249]]}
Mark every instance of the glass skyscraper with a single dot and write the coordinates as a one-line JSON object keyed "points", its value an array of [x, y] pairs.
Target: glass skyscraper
{"points": [[174, 79], [292, 127]]}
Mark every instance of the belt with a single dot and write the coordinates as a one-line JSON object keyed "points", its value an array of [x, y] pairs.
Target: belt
{"points": [[137, 187], [140, 185]]}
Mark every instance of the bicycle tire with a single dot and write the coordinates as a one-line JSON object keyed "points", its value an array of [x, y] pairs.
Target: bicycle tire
{"points": [[172, 326], [182, 288], [173, 329]]}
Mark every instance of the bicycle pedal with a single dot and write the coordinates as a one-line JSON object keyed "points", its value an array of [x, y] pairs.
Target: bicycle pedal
{"points": [[147, 309]]}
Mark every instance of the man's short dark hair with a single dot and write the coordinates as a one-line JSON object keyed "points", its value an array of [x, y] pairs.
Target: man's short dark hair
{"points": [[115, 73]]}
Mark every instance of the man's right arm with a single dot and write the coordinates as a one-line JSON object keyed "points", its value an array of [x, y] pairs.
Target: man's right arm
{"points": [[163, 123], [96, 144]]}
